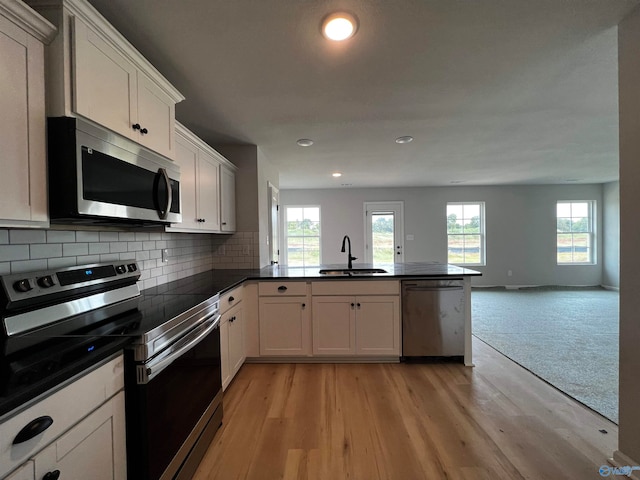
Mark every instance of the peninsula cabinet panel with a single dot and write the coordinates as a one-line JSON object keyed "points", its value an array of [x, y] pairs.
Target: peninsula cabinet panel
{"points": [[284, 326], [22, 126]]}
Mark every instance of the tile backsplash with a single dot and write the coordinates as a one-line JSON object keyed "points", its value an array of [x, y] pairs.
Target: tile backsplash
{"points": [[188, 254]]}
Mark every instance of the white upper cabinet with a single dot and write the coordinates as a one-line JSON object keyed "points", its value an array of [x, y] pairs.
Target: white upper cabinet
{"points": [[207, 191], [23, 202], [93, 71], [228, 199]]}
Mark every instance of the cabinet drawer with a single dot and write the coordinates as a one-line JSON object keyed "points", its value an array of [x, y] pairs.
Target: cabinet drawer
{"points": [[356, 287], [231, 298], [282, 288], [65, 407]]}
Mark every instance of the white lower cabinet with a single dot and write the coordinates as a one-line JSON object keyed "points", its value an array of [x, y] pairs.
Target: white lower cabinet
{"points": [[94, 448], [86, 438], [25, 472], [356, 325], [284, 326], [334, 325], [232, 348], [231, 344]]}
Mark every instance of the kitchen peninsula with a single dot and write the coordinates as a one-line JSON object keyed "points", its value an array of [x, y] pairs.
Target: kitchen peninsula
{"points": [[296, 314]]}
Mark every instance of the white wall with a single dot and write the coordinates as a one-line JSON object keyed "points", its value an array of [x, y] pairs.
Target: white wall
{"points": [[520, 227], [611, 234], [629, 105]]}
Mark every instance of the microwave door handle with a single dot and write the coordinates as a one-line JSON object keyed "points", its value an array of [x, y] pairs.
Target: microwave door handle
{"points": [[163, 214]]}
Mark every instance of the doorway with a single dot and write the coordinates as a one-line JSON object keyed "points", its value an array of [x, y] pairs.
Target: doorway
{"points": [[274, 223], [384, 232]]}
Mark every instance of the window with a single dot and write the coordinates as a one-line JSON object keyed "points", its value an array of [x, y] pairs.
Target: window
{"points": [[574, 232], [465, 233], [302, 236]]}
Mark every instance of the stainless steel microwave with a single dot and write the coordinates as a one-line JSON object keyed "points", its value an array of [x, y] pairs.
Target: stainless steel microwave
{"points": [[99, 177]]}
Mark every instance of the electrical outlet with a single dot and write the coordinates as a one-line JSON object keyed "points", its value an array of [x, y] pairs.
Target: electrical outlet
{"points": [[165, 255], [245, 250], [509, 273]]}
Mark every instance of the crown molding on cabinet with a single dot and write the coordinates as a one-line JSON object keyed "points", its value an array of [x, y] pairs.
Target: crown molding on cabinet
{"points": [[193, 138], [88, 14], [28, 19]]}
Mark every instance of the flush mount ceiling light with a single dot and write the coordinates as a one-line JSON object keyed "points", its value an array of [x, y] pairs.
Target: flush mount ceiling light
{"points": [[336, 174], [339, 26], [304, 142], [405, 139]]}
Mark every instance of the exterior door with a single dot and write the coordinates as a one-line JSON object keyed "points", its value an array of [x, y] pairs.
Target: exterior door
{"points": [[384, 232]]}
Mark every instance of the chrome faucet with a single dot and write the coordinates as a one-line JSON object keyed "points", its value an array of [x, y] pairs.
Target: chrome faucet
{"points": [[350, 257]]}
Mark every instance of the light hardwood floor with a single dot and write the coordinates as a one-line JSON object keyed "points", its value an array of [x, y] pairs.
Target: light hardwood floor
{"points": [[405, 422]]}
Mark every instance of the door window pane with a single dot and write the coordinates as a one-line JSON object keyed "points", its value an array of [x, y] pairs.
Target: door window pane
{"points": [[382, 233]]}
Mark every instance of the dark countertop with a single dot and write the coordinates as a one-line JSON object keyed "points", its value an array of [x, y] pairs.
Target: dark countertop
{"points": [[222, 280]]}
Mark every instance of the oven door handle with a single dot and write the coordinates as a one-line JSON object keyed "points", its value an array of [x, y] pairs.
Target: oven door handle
{"points": [[154, 367]]}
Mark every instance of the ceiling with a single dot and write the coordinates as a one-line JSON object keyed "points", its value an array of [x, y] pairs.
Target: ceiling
{"points": [[494, 91]]}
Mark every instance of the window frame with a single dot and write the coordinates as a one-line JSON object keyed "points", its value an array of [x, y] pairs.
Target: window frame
{"points": [[591, 233], [286, 236], [482, 233]]}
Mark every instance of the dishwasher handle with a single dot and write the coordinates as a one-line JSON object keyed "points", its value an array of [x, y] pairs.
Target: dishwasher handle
{"points": [[433, 289]]}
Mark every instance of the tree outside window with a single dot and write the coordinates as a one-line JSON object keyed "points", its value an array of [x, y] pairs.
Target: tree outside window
{"points": [[465, 233], [302, 236]]}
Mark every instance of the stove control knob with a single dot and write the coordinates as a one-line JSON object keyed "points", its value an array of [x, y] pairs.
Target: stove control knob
{"points": [[132, 267], [22, 285], [46, 282], [121, 269]]}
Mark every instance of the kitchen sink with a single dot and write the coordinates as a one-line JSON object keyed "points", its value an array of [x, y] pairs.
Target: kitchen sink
{"points": [[352, 271]]}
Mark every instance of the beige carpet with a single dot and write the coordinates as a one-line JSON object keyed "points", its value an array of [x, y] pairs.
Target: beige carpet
{"points": [[566, 336]]}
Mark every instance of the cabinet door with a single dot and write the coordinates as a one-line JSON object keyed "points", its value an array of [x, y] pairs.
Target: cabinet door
{"points": [[224, 352], [94, 448], [378, 325], [22, 127], [228, 200], [104, 82], [284, 326], [156, 117], [236, 340], [25, 472], [334, 325], [208, 191], [187, 158]]}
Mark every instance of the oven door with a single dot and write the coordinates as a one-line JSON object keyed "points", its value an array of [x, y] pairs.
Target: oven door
{"points": [[172, 418]]}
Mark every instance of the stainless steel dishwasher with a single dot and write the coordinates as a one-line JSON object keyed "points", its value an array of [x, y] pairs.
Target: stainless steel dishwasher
{"points": [[433, 313]]}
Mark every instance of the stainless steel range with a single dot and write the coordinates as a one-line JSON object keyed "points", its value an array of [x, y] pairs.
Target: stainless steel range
{"points": [[58, 323]]}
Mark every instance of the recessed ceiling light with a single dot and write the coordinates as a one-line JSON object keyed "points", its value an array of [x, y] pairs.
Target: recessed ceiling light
{"points": [[339, 26], [336, 174], [405, 139], [305, 142]]}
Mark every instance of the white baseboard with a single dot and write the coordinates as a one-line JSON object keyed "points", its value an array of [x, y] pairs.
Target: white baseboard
{"points": [[609, 287]]}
